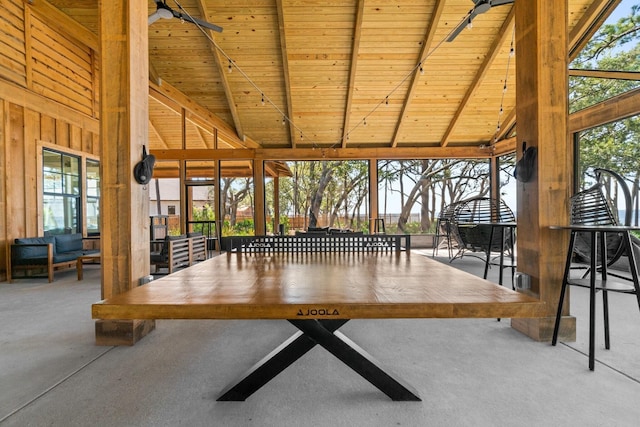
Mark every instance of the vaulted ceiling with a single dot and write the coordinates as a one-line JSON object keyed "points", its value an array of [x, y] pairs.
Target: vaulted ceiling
{"points": [[335, 73]]}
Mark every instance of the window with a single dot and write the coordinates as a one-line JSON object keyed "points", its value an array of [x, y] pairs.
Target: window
{"points": [[70, 193], [61, 193], [93, 197]]}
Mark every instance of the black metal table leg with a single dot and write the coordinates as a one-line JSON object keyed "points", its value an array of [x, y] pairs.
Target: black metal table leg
{"points": [[592, 299], [357, 359], [324, 333], [274, 363]]}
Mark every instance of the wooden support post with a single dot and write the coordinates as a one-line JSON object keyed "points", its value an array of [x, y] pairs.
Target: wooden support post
{"points": [[542, 111], [373, 193], [259, 200], [124, 112]]}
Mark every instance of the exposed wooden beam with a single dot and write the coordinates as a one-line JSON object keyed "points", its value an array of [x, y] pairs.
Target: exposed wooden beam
{"points": [[220, 60], [173, 94], [285, 70], [355, 47], [153, 74], [426, 45], [488, 60], [616, 108], [606, 74], [64, 23], [393, 153]]}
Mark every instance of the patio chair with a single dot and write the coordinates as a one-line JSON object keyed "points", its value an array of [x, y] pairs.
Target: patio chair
{"points": [[591, 207], [471, 225], [443, 229]]}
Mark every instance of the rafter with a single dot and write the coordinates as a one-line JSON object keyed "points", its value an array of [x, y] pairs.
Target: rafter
{"points": [[285, 70], [219, 60], [488, 60], [352, 70], [426, 45]]}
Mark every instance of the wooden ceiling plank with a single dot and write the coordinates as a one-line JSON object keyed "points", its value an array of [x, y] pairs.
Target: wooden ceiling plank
{"points": [[154, 130], [357, 33], [426, 45], [491, 55]]}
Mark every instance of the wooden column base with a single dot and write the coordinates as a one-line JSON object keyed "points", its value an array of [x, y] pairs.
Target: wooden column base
{"points": [[541, 328], [122, 332]]}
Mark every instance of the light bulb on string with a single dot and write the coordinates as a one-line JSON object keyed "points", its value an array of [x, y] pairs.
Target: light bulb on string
{"points": [[421, 70], [469, 24], [262, 101], [230, 69]]}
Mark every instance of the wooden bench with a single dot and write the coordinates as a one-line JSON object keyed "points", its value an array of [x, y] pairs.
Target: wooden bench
{"points": [[180, 252], [318, 292]]}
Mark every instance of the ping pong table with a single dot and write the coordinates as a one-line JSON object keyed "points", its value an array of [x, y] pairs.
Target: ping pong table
{"points": [[318, 293]]}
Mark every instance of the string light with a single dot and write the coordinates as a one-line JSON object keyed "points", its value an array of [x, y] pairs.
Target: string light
{"points": [[264, 99], [504, 88]]}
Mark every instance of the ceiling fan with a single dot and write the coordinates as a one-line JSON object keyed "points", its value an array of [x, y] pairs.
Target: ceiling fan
{"points": [[165, 12], [481, 6]]}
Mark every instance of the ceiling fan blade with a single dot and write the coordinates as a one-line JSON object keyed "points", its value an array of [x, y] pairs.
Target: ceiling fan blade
{"points": [[197, 21], [481, 6], [500, 2], [154, 17], [472, 14]]}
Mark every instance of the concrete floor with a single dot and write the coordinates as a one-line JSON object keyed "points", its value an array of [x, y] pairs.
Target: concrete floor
{"points": [[469, 372]]}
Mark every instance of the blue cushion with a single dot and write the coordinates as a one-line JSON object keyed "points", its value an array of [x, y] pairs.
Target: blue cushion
{"points": [[66, 256], [26, 252], [68, 242]]}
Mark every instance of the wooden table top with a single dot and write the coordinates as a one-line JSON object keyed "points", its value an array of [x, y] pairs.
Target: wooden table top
{"points": [[318, 286]]}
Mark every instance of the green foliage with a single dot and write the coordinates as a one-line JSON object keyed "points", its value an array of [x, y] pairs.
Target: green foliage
{"points": [[614, 47]]}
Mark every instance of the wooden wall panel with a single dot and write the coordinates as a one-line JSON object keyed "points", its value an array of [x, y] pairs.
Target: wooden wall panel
{"points": [[16, 206], [62, 67], [12, 43], [47, 129]]}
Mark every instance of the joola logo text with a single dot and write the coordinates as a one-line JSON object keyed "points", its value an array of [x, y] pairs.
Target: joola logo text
{"points": [[318, 312]]}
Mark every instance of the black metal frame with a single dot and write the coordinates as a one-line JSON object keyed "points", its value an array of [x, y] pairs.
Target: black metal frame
{"points": [[324, 333], [598, 242]]}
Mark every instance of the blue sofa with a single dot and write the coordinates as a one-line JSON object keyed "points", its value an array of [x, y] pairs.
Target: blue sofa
{"points": [[52, 252]]}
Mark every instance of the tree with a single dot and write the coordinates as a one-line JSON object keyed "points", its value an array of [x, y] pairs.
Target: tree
{"points": [[616, 145]]}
